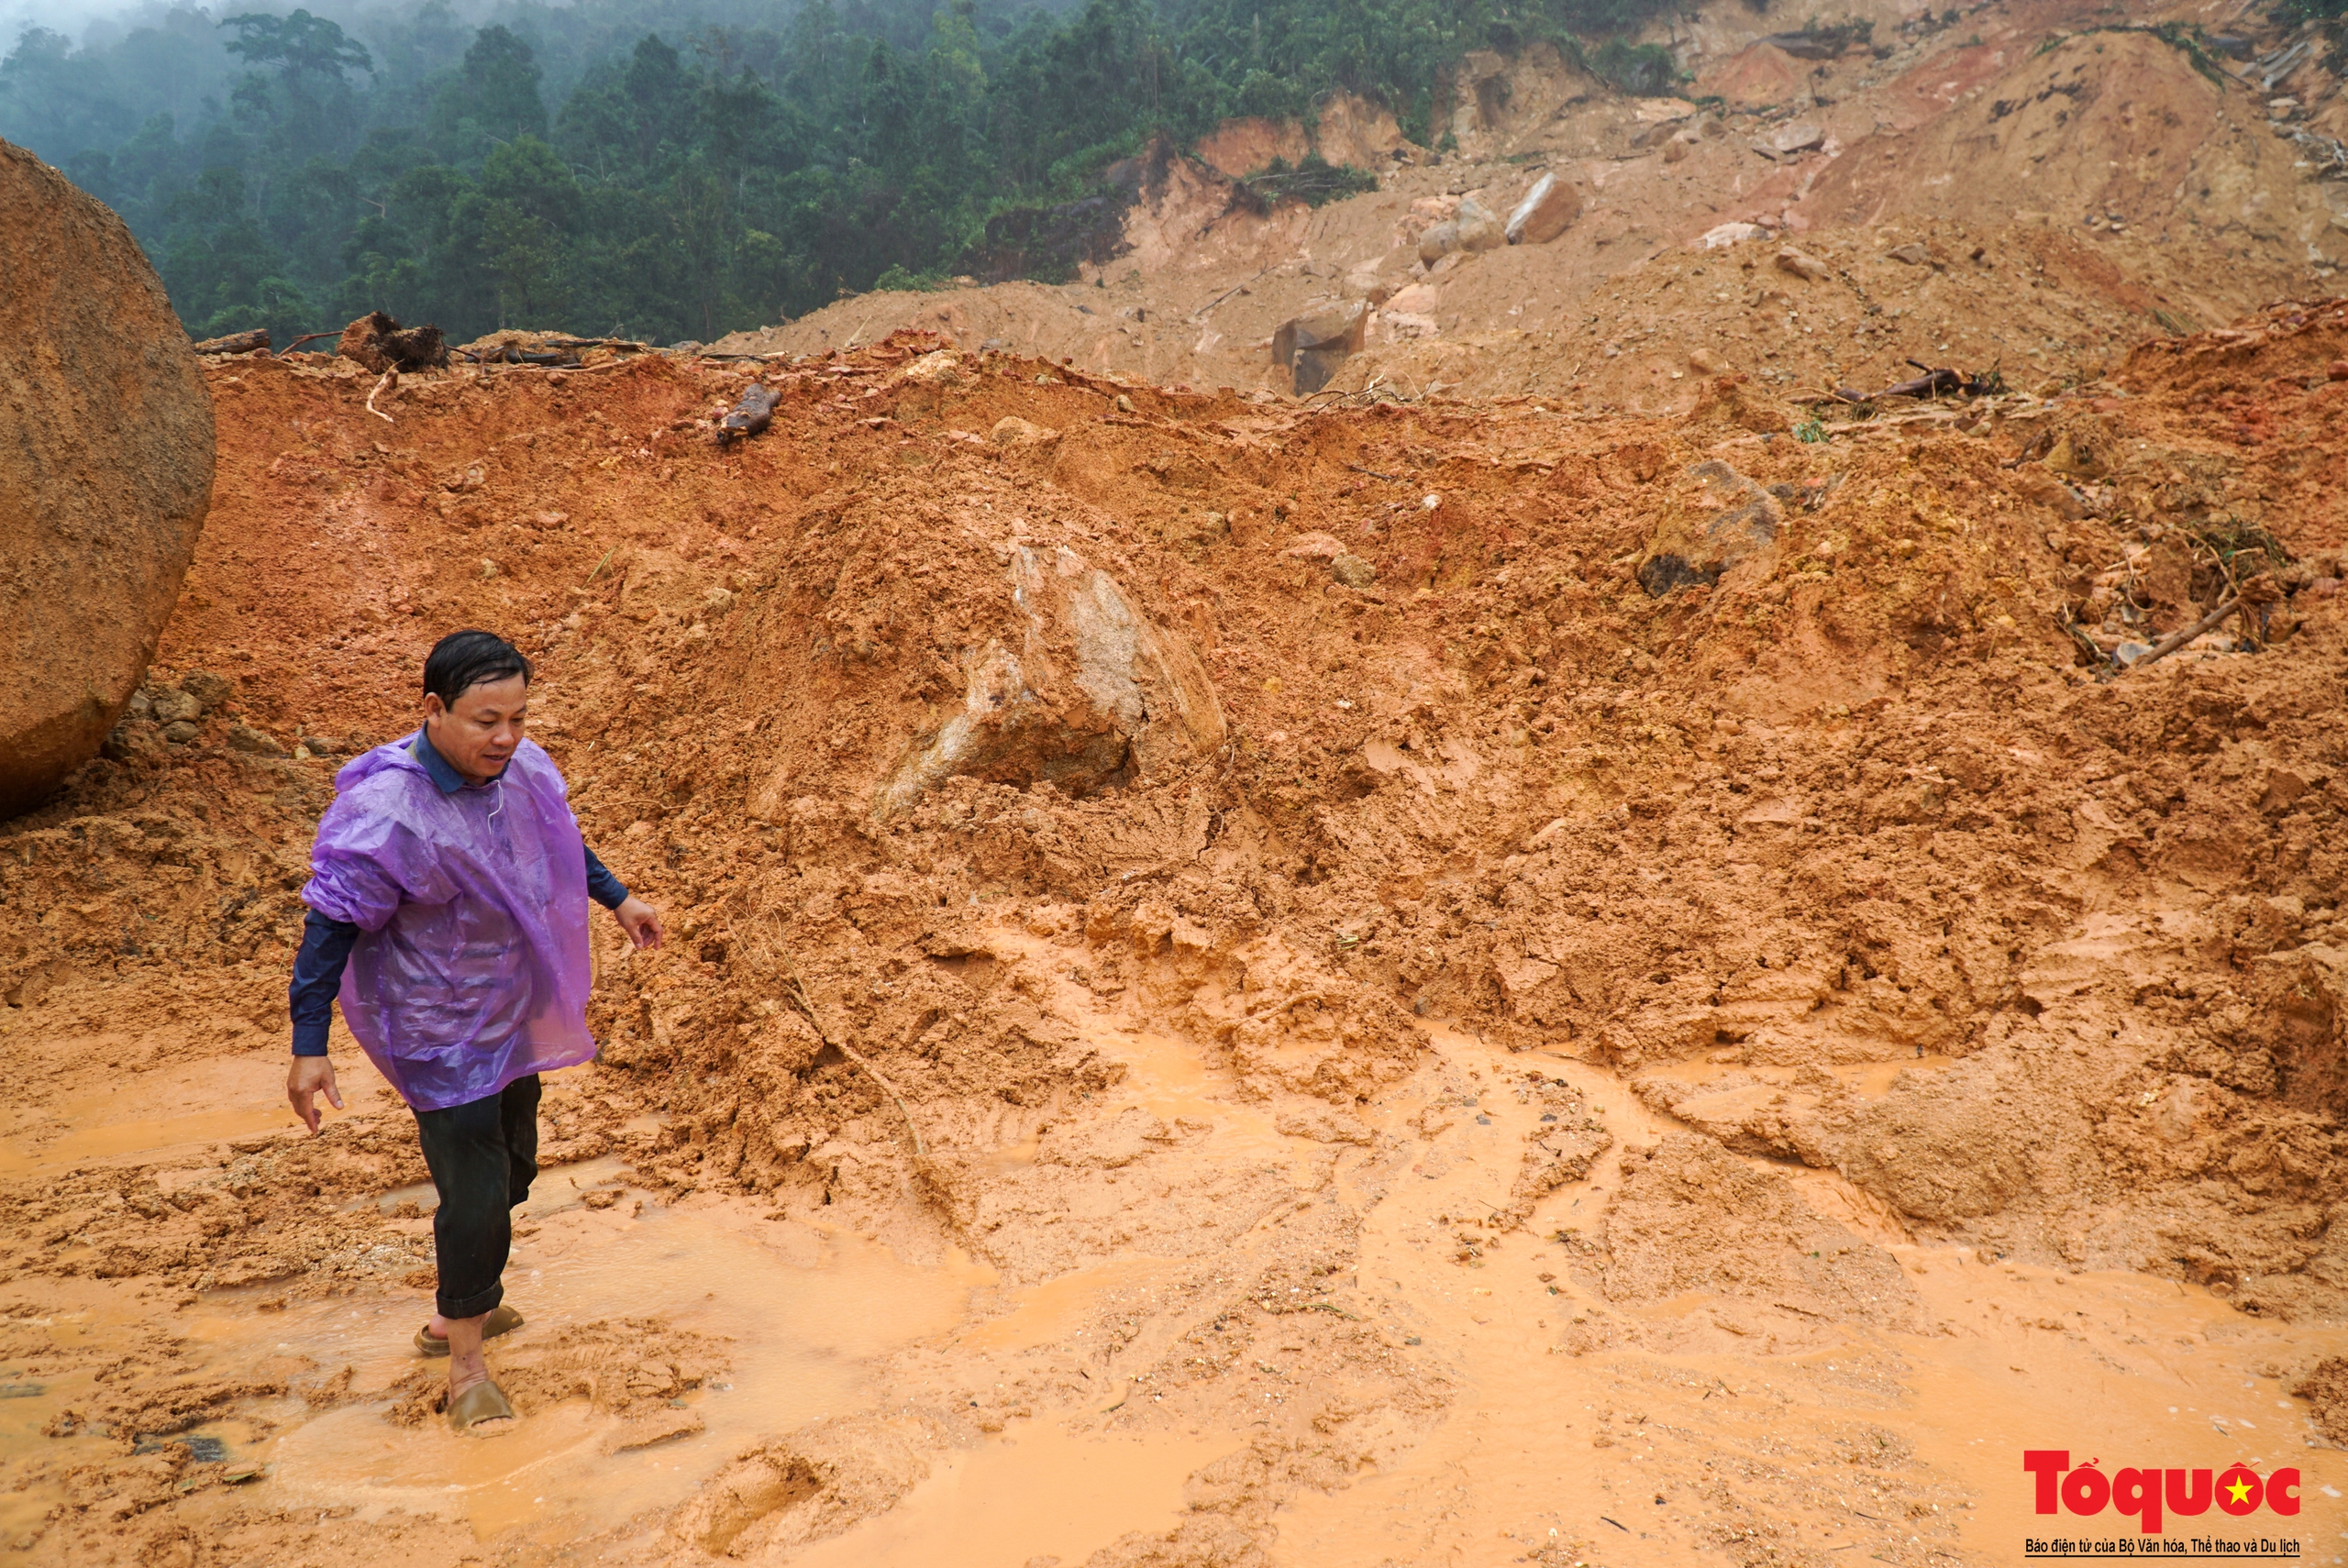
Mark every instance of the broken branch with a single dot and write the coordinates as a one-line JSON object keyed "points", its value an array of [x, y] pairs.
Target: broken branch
{"points": [[807, 1005], [2176, 640], [306, 337]]}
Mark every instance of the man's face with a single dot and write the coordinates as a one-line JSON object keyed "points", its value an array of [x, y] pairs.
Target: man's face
{"points": [[477, 733]]}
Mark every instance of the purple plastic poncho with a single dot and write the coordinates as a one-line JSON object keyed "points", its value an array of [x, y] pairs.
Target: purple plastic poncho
{"points": [[471, 968]]}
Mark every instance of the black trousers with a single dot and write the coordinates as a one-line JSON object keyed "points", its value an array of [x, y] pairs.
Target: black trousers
{"points": [[484, 1155]]}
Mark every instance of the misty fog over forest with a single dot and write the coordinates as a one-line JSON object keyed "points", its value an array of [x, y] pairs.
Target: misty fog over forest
{"points": [[671, 169]]}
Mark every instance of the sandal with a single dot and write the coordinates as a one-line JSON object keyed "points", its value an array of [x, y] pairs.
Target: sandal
{"points": [[501, 1320], [485, 1401]]}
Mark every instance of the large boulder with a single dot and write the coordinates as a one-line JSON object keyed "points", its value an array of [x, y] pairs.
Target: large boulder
{"points": [[1311, 347], [1547, 211], [1080, 691], [105, 472], [1479, 230]]}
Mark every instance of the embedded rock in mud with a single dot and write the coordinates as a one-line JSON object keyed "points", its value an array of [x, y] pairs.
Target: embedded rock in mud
{"points": [[1690, 1217], [105, 472], [1082, 690], [1311, 347], [1478, 229], [1732, 521], [1546, 210]]}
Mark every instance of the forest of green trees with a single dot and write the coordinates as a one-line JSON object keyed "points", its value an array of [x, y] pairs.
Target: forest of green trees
{"points": [[671, 169]]}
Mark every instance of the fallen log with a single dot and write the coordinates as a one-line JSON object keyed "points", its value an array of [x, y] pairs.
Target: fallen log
{"points": [[752, 415], [1938, 381], [234, 343], [507, 353]]}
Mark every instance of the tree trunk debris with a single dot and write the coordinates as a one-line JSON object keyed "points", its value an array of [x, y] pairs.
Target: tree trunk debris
{"points": [[752, 415], [380, 343], [234, 343]]}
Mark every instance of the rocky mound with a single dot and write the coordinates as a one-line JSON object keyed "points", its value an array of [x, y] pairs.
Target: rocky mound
{"points": [[105, 472]]}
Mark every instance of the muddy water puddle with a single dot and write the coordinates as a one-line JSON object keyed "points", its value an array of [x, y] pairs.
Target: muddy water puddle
{"points": [[148, 1116], [1049, 1313], [803, 1313]]}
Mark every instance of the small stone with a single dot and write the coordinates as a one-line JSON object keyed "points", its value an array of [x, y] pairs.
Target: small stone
{"points": [[169, 704], [1125, 404], [1803, 265], [252, 742], [180, 731], [1675, 151], [211, 690], [1353, 571], [129, 739], [1440, 240], [1010, 430], [1799, 137], [2337, 370], [1912, 253]]}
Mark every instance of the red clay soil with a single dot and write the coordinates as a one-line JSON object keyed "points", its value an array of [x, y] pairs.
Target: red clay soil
{"points": [[1788, 948]]}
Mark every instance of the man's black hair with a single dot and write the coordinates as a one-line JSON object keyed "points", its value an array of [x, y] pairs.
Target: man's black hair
{"points": [[462, 660]]}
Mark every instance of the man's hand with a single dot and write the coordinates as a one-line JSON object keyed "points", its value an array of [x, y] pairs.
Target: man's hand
{"points": [[641, 920], [308, 1077]]}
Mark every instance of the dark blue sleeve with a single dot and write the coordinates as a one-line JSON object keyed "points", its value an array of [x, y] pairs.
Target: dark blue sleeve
{"points": [[318, 975], [602, 886]]}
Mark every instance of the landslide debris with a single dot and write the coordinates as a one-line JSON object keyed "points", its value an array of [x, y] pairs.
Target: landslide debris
{"points": [[382, 343], [2030, 191], [1074, 737], [106, 470], [1854, 798]]}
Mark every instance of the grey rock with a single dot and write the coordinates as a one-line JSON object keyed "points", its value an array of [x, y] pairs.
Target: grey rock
{"points": [[214, 691], [1799, 137]]}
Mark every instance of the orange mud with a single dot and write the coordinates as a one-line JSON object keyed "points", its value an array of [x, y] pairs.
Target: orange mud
{"points": [[1528, 1069]]}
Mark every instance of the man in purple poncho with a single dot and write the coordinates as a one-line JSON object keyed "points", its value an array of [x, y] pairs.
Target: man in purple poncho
{"points": [[449, 911]]}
